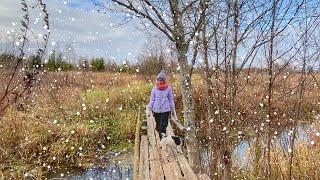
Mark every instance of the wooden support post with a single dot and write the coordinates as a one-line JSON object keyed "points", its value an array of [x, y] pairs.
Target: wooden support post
{"points": [[136, 149]]}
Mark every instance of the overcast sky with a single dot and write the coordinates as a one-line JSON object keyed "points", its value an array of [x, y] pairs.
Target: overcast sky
{"points": [[78, 23]]}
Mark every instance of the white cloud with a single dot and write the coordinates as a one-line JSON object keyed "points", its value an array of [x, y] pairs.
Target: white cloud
{"points": [[74, 22]]}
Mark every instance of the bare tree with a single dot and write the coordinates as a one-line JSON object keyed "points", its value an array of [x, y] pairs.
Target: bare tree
{"points": [[180, 22], [279, 22], [236, 25], [308, 24]]}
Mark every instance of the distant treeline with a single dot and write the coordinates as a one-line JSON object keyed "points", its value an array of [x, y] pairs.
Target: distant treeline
{"points": [[147, 65]]}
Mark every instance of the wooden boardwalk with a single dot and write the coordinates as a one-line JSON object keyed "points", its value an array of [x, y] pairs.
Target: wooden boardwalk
{"points": [[154, 163]]}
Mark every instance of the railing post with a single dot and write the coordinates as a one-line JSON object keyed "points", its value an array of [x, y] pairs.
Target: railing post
{"points": [[136, 156]]}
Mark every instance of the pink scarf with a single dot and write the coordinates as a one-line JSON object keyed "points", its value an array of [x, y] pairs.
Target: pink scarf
{"points": [[162, 86]]}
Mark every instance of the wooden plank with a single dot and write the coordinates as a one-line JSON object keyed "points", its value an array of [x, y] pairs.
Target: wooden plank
{"points": [[164, 155], [171, 155], [140, 176], [144, 161], [185, 168], [152, 162], [168, 172], [203, 177], [156, 171], [172, 152], [172, 170], [157, 140], [170, 165], [136, 149], [140, 169], [150, 130]]}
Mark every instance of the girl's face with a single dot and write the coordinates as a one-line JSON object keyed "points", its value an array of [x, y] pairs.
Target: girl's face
{"points": [[160, 80]]}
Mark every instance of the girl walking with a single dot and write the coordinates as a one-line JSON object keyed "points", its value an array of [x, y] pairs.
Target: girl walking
{"points": [[161, 103]]}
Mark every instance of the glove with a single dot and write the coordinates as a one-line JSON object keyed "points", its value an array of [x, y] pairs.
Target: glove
{"points": [[173, 113], [151, 112]]}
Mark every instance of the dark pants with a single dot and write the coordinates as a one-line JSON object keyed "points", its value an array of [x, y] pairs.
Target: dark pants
{"points": [[161, 122]]}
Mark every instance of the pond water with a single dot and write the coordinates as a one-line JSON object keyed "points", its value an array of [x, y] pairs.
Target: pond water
{"points": [[110, 172], [112, 166], [283, 142], [116, 171], [240, 154]]}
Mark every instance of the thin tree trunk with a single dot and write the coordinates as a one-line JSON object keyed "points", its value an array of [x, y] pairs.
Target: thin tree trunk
{"points": [[226, 163], [223, 142], [300, 100], [210, 99], [270, 90], [257, 156], [186, 88], [189, 111], [233, 92]]}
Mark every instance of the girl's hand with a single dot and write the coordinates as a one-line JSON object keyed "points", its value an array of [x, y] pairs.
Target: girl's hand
{"points": [[173, 113]]}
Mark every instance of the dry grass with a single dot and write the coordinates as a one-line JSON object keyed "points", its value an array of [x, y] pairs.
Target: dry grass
{"points": [[76, 117], [70, 120]]}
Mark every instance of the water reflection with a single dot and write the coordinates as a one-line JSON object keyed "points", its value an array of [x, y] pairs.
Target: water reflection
{"points": [[282, 141], [111, 172], [243, 158]]}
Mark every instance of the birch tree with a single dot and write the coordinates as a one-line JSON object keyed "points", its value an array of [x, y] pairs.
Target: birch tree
{"points": [[179, 21]]}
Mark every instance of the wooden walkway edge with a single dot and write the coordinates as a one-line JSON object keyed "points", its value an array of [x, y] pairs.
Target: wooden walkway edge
{"points": [[152, 162]]}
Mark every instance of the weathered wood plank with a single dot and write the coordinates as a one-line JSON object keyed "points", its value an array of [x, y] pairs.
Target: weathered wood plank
{"points": [[144, 159], [156, 171], [185, 168], [157, 138], [175, 170], [153, 166], [136, 149], [168, 172], [166, 163], [171, 155], [203, 177], [164, 155], [140, 169]]}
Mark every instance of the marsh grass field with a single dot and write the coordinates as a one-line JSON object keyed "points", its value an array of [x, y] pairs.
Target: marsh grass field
{"points": [[75, 118], [70, 121]]}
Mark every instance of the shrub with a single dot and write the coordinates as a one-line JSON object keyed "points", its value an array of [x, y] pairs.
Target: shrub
{"points": [[50, 65], [97, 64], [7, 60], [33, 62], [111, 66], [56, 62], [151, 65]]}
